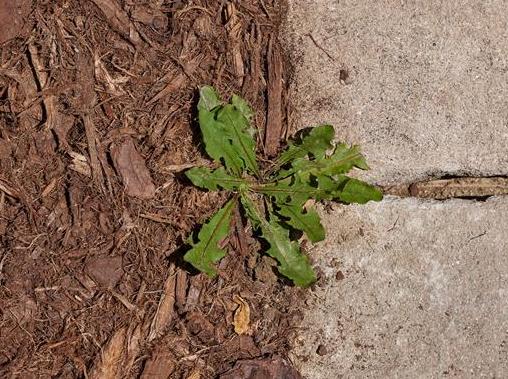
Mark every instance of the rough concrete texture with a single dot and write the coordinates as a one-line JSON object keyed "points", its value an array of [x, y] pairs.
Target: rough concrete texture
{"points": [[422, 292], [425, 83], [422, 86]]}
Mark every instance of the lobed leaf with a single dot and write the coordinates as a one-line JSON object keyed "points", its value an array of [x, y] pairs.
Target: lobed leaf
{"points": [[292, 263], [206, 251], [317, 142], [341, 161], [215, 134], [214, 180], [356, 191], [240, 134], [305, 220], [244, 109], [289, 190], [227, 132]]}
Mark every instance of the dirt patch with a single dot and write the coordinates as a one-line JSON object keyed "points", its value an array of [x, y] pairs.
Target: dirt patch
{"points": [[96, 123], [12, 18]]}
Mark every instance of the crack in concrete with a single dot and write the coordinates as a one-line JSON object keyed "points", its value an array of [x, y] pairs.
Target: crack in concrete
{"points": [[473, 188]]}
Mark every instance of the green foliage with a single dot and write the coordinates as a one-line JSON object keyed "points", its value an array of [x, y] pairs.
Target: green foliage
{"points": [[206, 251], [276, 199]]}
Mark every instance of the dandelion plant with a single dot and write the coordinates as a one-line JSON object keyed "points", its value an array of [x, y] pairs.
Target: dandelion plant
{"points": [[276, 199]]}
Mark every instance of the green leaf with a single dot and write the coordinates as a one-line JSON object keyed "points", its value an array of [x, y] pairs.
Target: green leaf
{"points": [[227, 132], [292, 263], [214, 180], [240, 134], [343, 159], [244, 109], [215, 135], [208, 98], [356, 191], [311, 168], [317, 142], [206, 251], [289, 190], [305, 220]]}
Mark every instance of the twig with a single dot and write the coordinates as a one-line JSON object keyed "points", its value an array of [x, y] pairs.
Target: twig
{"points": [[319, 46], [157, 218], [42, 79], [8, 191]]}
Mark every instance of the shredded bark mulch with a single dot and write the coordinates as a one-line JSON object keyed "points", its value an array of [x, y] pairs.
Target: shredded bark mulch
{"points": [[97, 123]]}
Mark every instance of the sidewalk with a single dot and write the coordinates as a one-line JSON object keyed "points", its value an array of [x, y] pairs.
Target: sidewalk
{"points": [[423, 284]]}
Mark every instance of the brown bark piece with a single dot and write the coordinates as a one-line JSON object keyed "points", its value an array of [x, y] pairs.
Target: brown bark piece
{"points": [[149, 16], [119, 20], [181, 290], [262, 369], [161, 365], [108, 366], [105, 271], [165, 310], [234, 28], [131, 166], [273, 129]]}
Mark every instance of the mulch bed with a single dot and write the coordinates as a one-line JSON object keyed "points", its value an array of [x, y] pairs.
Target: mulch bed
{"points": [[97, 123]]}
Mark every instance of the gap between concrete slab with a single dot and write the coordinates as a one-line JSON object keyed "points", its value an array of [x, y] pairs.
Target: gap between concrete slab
{"points": [[473, 188]]}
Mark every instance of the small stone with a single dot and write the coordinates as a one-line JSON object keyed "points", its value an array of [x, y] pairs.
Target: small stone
{"points": [[339, 275], [322, 350]]}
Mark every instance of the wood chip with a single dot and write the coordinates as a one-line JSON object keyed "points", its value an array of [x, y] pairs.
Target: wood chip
{"points": [[8, 190], [177, 80], [12, 14], [131, 166], [161, 365], [241, 319], [110, 361], [149, 16], [133, 346], [181, 290], [165, 310], [119, 20], [234, 28], [273, 128], [105, 271], [80, 164], [49, 188]]}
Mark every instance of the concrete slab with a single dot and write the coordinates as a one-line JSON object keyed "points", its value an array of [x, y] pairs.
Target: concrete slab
{"points": [[410, 289], [424, 84]]}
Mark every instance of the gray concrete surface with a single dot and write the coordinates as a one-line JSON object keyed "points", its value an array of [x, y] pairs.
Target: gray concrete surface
{"points": [[425, 287], [427, 92], [424, 292]]}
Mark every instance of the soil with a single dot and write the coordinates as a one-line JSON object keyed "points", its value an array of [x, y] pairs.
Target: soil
{"points": [[97, 123]]}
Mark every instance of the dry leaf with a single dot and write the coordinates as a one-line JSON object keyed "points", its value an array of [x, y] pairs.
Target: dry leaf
{"points": [[241, 319], [196, 374], [131, 166]]}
